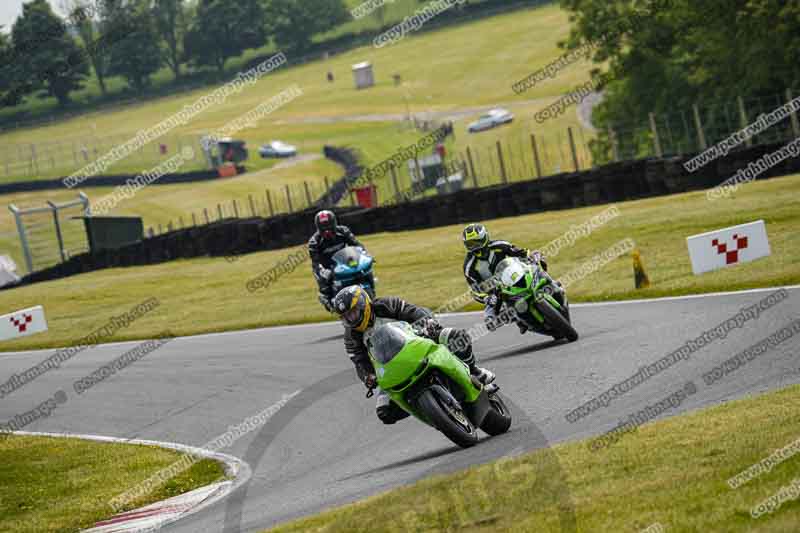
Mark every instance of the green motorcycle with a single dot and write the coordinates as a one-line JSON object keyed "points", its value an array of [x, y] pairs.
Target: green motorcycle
{"points": [[538, 301], [433, 385]]}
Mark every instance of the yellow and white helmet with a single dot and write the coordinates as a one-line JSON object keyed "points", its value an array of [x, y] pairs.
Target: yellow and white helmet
{"points": [[475, 237]]}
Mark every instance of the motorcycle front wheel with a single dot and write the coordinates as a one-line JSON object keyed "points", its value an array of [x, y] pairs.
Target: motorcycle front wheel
{"points": [[557, 321], [498, 419], [446, 417]]}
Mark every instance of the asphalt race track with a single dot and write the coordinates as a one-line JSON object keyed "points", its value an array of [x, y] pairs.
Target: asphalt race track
{"points": [[326, 447]]}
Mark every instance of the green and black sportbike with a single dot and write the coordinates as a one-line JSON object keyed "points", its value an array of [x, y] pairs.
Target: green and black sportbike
{"points": [[433, 385], [541, 303]]}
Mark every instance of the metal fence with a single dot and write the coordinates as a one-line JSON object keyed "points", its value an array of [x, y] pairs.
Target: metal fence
{"points": [[51, 235]]}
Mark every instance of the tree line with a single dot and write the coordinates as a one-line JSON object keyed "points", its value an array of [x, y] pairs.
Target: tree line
{"points": [[48, 55], [686, 52]]}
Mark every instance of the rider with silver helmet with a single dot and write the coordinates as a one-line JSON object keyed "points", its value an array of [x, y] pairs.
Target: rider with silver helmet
{"points": [[360, 314]]}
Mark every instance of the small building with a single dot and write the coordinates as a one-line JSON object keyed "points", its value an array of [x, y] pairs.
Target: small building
{"points": [[362, 74]]}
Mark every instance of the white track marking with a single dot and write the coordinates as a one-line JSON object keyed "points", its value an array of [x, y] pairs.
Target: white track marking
{"points": [[204, 496]]}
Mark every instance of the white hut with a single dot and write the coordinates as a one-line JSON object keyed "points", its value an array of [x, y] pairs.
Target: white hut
{"points": [[362, 74]]}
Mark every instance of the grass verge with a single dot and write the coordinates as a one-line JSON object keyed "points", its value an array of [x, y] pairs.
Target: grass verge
{"points": [[425, 267], [626, 488], [59, 484]]}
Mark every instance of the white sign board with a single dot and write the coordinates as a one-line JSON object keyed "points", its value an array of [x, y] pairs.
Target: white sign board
{"points": [[728, 246], [22, 323]]}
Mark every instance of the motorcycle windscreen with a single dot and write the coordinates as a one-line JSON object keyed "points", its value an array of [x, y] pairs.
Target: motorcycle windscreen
{"points": [[389, 340], [348, 256], [511, 272]]}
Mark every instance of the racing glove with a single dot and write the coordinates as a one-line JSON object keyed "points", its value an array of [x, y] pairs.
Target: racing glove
{"points": [[428, 328], [537, 257], [325, 274], [326, 302], [366, 375]]}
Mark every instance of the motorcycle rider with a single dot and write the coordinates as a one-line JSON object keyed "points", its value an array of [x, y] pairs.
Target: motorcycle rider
{"points": [[329, 238], [483, 256], [360, 314]]}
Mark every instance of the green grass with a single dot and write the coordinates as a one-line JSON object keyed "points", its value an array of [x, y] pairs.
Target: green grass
{"points": [[59, 484], [163, 80], [673, 472], [474, 63], [467, 65], [209, 294]]}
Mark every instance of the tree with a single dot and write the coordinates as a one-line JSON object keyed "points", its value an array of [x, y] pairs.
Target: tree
{"points": [[295, 22], [171, 25], [136, 55], [224, 29], [11, 88], [665, 55], [82, 15], [46, 53], [380, 15]]}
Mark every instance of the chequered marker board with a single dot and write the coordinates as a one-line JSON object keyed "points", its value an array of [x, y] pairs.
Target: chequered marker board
{"points": [[22, 323]]}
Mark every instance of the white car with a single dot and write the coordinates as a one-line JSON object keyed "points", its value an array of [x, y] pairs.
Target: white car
{"points": [[277, 149], [492, 119]]}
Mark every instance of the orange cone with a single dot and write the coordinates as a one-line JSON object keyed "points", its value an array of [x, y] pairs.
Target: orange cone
{"points": [[639, 275]]}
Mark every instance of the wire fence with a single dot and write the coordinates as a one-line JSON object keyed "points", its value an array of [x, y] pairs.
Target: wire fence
{"points": [[290, 198], [695, 129], [58, 158]]}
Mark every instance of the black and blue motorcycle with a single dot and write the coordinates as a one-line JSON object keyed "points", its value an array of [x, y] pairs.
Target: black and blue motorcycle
{"points": [[353, 266]]}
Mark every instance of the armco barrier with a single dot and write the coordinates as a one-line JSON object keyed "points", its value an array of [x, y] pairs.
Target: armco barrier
{"points": [[347, 159], [615, 182]]}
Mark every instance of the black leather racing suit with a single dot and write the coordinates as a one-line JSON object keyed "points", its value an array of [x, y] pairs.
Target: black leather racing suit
{"points": [[479, 269], [321, 251], [394, 308]]}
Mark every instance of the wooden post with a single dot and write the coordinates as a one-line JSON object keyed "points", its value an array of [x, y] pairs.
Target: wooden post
{"points": [[795, 121], [252, 205], [535, 149], [205, 212], [194, 220], [743, 119], [289, 198], [327, 192], [235, 208], [394, 182], [612, 136], [308, 194], [160, 230], [472, 168], [269, 203], [219, 211], [573, 149], [34, 159], [701, 136], [656, 138], [502, 163], [180, 221]]}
